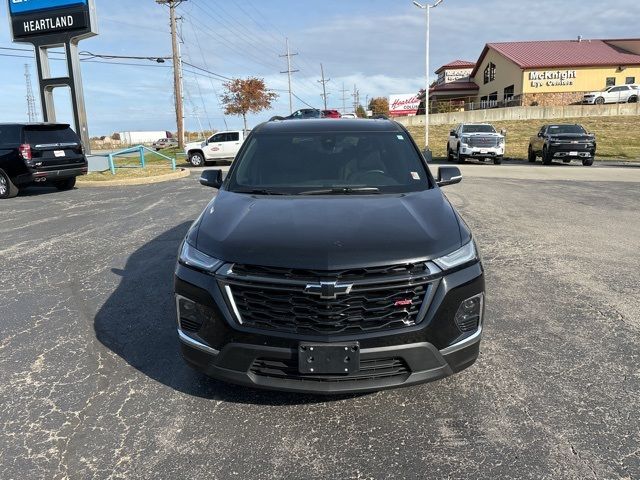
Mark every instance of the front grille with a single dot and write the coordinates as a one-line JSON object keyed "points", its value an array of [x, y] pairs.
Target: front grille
{"points": [[483, 141], [418, 268], [372, 369], [380, 298], [189, 325]]}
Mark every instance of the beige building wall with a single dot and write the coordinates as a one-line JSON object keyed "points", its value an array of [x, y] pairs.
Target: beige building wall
{"points": [[581, 79], [507, 73]]}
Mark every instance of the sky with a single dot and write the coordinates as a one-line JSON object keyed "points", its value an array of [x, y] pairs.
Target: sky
{"points": [[377, 45]]}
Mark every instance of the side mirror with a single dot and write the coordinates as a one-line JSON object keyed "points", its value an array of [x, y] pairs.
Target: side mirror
{"points": [[448, 176], [211, 178], [503, 132], [452, 133], [540, 134]]}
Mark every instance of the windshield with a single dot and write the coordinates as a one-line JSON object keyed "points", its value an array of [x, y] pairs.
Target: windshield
{"points": [[559, 129], [331, 163], [478, 129]]}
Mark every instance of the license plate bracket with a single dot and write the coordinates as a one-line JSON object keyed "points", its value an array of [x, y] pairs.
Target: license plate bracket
{"points": [[329, 359]]}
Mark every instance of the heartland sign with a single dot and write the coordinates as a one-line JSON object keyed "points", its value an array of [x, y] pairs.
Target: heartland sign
{"points": [[39, 18], [403, 104]]}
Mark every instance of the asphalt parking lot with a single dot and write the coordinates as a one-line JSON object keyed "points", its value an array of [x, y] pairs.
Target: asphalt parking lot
{"points": [[92, 384]]}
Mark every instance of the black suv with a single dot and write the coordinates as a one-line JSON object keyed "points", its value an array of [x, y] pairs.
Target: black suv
{"points": [[330, 261], [39, 153], [565, 142]]}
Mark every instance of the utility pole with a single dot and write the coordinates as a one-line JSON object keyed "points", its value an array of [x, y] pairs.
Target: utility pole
{"points": [[31, 100], [344, 98], [177, 68], [356, 99], [427, 9], [288, 71], [324, 86]]}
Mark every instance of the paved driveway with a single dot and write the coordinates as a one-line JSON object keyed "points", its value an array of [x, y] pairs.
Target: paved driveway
{"points": [[92, 385]]}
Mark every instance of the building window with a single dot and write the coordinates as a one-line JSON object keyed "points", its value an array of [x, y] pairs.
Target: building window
{"points": [[611, 81], [508, 93], [490, 73], [630, 80]]}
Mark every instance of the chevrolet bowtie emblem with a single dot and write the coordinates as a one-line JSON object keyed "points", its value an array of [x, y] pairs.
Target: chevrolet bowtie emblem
{"points": [[328, 289]]}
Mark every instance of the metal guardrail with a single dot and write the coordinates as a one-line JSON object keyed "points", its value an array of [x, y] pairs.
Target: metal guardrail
{"points": [[140, 149]]}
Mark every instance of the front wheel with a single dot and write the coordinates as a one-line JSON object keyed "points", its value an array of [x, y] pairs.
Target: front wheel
{"points": [[66, 184], [7, 188], [196, 159], [497, 160], [459, 156], [599, 101], [531, 155], [587, 162], [546, 156], [449, 154]]}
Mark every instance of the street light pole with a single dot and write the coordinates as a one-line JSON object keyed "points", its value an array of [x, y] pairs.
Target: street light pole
{"points": [[427, 8]]}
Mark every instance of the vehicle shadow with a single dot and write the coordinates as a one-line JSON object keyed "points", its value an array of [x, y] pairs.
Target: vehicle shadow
{"points": [[138, 323]]}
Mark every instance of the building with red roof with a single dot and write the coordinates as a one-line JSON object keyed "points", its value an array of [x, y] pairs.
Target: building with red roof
{"points": [[549, 72]]}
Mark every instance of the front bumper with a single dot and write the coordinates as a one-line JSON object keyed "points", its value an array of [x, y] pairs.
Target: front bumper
{"points": [[482, 152], [572, 151], [432, 349]]}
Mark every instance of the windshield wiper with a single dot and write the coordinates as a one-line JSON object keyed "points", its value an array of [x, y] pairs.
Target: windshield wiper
{"points": [[341, 191], [259, 191]]}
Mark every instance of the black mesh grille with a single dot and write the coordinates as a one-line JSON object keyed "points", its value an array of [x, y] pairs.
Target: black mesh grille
{"points": [[392, 368], [418, 268], [189, 325], [364, 309]]}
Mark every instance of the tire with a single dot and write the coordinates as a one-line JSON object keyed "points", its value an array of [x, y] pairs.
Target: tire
{"points": [[599, 101], [7, 188], [587, 162], [546, 156], [449, 154], [459, 158], [531, 155], [196, 159], [66, 184], [497, 160], [633, 99]]}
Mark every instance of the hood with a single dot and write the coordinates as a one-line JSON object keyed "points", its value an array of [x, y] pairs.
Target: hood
{"points": [[482, 134], [193, 145], [328, 232]]}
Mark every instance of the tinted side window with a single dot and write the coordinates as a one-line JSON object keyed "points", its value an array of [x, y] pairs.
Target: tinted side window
{"points": [[233, 137], [219, 137], [10, 134]]}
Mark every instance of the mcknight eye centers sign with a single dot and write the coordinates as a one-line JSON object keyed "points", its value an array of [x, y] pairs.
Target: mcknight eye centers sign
{"points": [[32, 18], [552, 78]]}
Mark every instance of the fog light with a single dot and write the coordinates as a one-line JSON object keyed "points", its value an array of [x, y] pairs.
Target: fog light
{"points": [[191, 315], [469, 315]]}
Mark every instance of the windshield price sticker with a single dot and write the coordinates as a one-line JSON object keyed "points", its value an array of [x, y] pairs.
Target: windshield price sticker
{"points": [[415, 175]]}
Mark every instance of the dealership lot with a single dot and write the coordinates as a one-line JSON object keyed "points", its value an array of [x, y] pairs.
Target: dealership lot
{"points": [[93, 385]]}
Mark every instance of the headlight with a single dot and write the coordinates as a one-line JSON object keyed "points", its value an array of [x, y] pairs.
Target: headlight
{"points": [[501, 141], [463, 255], [465, 139], [194, 258]]}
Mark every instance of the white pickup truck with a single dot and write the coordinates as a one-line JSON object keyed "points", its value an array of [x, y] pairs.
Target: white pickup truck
{"points": [[218, 146], [475, 140]]}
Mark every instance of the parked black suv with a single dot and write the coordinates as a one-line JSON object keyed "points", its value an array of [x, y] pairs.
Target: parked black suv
{"points": [[565, 142], [39, 153], [329, 261]]}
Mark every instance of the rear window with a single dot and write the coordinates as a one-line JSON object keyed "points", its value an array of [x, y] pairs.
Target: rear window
{"points": [[295, 163], [10, 134], [45, 135]]}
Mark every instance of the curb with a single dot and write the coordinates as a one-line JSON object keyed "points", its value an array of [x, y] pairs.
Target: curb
{"points": [[180, 173]]}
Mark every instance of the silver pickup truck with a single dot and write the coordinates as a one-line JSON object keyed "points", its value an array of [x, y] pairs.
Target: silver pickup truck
{"points": [[475, 140]]}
